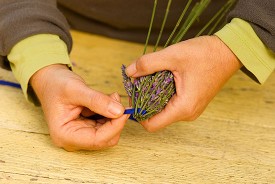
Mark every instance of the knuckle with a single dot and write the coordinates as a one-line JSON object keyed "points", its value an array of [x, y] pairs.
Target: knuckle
{"points": [[67, 88], [58, 142], [193, 117], [100, 144], [69, 149], [113, 143], [149, 128], [141, 64], [94, 98], [191, 112]]}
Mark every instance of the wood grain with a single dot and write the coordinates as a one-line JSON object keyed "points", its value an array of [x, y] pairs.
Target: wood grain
{"points": [[232, 142]]}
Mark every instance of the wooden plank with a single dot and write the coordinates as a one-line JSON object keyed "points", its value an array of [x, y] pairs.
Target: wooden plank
{"points": [[232, 142], [191, 152]]}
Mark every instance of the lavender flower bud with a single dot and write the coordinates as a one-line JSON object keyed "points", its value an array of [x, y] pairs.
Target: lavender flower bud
{"points": [[152, 93], [128, 85]]}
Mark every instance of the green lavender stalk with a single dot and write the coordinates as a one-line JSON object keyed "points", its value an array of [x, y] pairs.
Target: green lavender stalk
{"points": [[192, 17], [217, 17], [150, 26], [163, 24], [151, 93], [178, 23]]}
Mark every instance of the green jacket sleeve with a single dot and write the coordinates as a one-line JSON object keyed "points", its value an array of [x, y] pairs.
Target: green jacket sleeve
{"points": [[257, 58]]}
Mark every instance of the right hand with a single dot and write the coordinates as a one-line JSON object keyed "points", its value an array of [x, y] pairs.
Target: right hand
{"points": [[67, 101], [201, 66]]}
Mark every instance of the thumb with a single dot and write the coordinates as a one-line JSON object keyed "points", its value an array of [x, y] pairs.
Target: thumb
{"points": [[149, 64], [88, 113], [98, 102]]}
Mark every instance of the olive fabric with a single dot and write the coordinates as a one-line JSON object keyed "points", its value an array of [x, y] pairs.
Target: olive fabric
{"points": [[35, 33], [121, 19]]}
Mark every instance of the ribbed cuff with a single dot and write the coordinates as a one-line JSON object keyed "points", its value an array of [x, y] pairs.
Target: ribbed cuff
{"points": [[34, 53], [240, 37]]}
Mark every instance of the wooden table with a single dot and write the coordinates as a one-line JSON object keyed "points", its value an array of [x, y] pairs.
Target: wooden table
{"points": [[232, 142]]}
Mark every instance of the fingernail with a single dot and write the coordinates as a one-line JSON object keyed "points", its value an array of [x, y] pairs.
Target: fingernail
{"points": [[115, 108], [131, 70]]}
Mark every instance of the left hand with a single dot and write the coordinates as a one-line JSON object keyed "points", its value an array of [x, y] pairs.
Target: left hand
{"points": [[66, 102]]}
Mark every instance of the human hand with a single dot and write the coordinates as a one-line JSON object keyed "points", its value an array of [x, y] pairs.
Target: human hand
{"points": [[66, 101], [201, 66]]}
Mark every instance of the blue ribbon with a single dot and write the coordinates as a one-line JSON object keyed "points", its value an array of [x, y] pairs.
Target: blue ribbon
{"points": [[94, 117], [132, 111], [127, 111], [7, 83]]}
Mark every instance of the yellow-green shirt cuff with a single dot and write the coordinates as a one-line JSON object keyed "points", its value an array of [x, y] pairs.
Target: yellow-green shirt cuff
{"points": [[240, 37], [34, 53]]}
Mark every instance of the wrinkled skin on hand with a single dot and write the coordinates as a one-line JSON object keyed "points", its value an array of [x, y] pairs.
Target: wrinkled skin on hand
{"points": [[201, 66], [67, 101]]}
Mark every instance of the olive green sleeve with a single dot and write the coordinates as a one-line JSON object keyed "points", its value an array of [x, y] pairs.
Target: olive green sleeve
{"points": [[257, 58], [34, 53]]}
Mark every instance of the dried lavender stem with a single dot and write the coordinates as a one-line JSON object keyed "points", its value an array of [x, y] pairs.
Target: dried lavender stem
{"points": [[153, 112], [163, 24], [133, 95], [150, 27], [230, 4], [178, 23], [169, 87], [154, 77], [138, 100], [222, 11], [195, 13], [145, 103]]}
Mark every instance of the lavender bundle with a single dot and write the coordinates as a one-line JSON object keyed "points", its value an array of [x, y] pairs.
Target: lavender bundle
{"points": [[151, 93]]}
